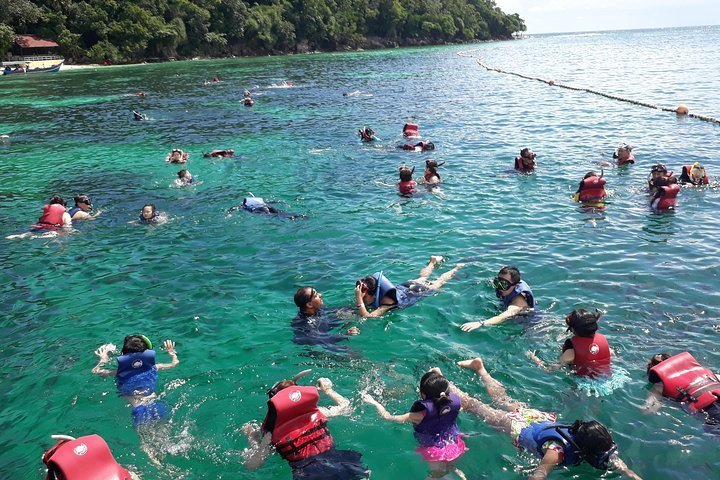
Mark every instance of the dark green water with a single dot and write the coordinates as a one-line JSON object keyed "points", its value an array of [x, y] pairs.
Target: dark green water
{"points": [[222, 287]]}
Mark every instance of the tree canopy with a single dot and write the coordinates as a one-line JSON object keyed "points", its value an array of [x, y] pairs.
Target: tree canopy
{"points": [[134, 30]]}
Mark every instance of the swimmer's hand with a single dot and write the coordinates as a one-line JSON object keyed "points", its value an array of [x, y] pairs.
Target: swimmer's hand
{"points": [[324, 384], [534, 358], [367, 398], [250, 429], [169, 346], [470, 326], [104, 351], [353, 331]]}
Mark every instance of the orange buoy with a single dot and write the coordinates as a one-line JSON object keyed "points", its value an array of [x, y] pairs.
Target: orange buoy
{"points": [[682, 110]]}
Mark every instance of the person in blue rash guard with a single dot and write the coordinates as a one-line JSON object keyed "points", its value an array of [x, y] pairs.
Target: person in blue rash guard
{"points": [[136, 375], [314, 323], [378, 292], [515, 294]]}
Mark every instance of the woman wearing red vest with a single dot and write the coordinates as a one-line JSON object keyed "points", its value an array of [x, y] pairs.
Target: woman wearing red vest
{"points": [[682, 378], [297, 428]]}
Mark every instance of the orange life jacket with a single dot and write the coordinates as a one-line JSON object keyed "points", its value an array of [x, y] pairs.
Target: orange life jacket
{"points": [[85, 458]]}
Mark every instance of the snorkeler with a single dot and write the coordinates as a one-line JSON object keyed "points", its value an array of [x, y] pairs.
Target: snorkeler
{"points": [[378, 292], [694, 175], [54, 215], [515, 294], [149, 214], [538, 433], [659, 177], [136, 375], [623, 155], [314, 323], [185, 178], [591, 189], [367, 134], [418, 147], [431, 176], [526, 161], [82, 208], [220, 153], [255, 204], [83, 458], [681, 378], [406, 185], [434, 420], [296, 428]]}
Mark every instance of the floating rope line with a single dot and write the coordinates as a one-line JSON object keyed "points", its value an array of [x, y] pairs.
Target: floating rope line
{"points": [[680, 110]]}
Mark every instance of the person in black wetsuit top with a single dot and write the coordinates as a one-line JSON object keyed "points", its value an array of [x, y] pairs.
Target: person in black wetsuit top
{"points": [[314, 323]]}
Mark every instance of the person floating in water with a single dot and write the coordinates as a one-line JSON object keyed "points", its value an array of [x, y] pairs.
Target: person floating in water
{"points": [[82, 458], [623, 155], [367, 134], [176, 156], [220, 153], [139, 116], [82, 208], [694, 175], [185, 178], [314, 323], [149, 214], [418, 147], [136, 375], [255, 204], [296, 428], [526, 161], [434, 420], [680, 377], [665, 197], [591, 190], [516, 296], [411, 130], [538, 433], [406, 185], [54, 215], [431, 176], [659, 177], [378, 292]]}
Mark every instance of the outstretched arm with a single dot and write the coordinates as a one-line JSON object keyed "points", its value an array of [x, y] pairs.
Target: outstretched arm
{"points": [[169, 346], [566, 359], [104, 353], [511, 311], [617, 464], [410, 417], [654, 400], [342, 404], [362, 309]]}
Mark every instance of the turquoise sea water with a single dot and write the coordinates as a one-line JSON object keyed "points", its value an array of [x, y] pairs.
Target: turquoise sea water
{"points": [[222, 287]]}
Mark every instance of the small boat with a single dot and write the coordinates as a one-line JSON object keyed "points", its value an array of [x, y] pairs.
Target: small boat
{"points": [[32, 54]]}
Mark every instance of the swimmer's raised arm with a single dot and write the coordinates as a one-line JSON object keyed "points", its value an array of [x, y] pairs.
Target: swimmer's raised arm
{"points": [[104, 353], [342, 404], [410, 417], [169, 346]]}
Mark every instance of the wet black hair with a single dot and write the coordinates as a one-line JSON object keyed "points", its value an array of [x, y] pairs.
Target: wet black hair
{"points": [[583, 322], [152, 206], [134, 344], [371, 283], [524, 154], [590, 174], [302, 296], [57, 199], [655, 360], [428, 146], [82, 199], [406, 173], [436, 388], [594, 441], [512, 271], [181, 173]]}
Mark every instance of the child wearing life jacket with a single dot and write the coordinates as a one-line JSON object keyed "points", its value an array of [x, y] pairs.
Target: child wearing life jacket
{"points": [[296, 428], [366, 134], [136, 375], [185, 178], [378, 292], [538, 433], [434, 421], [694, 175], [176, 156], [680, 377], [149, 214], [83, 458], [591, 189], [623, 155], [406, 185], [526, 161], [432, 177]]}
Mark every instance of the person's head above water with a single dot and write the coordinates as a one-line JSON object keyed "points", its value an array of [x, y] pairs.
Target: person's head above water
{"points": [[435, 387], [308, 300], [623, 151], [82, 200], [506, 279], [594, 441], [658, 170], [184, 174], [148, 211], [697, 172], [582, 323], [427, 145], [57, 199], [136, 344], [527, 154], [406, 173], [590, 175]]}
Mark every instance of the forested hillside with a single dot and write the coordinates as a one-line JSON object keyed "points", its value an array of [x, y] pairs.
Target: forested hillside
{"points": [[134, 30]]}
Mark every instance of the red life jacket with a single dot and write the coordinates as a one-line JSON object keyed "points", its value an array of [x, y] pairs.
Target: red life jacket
{"points": [[52, 215], [592, 356], [668, 197], [592, 189], [300, 429], [519, 165], [410, 130], [684, 379], [406, 188], [630, 159], [85, 458], [686, 174]]}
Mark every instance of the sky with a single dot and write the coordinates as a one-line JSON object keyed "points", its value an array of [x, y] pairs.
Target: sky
{"points": [[550, 16]]}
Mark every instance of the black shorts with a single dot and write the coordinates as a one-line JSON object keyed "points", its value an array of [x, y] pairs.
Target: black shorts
{"points": [[331, 465]]}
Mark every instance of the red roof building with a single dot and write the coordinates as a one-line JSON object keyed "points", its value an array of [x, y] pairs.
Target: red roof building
{"points": [[33, 41]]}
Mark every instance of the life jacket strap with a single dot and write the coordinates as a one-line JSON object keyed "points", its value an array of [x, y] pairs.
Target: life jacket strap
{"points": [[290, 447]]}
